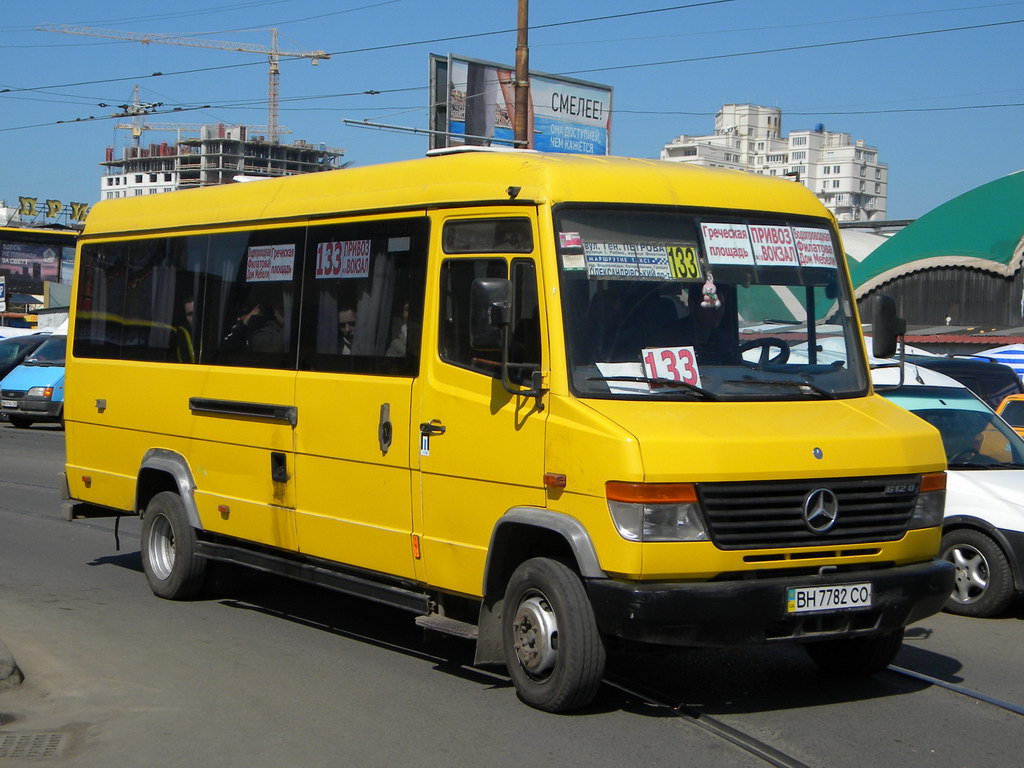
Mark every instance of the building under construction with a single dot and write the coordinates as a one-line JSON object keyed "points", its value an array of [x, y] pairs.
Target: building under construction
{"points": [[220, 154]]}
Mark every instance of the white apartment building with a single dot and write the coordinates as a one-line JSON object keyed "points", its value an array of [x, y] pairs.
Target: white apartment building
{"points": [[844, 173], [217, 156]]}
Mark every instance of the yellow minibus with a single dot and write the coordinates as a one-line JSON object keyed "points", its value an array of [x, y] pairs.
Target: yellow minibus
{"points": [[541, 401]]}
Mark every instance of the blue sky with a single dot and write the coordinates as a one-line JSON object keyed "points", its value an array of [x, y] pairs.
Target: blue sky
{"points": [[936, 85]]}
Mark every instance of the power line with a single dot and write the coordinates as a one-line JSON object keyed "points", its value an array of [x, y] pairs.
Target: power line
{"points": [[610, 68], [96, 118], [806, 47], [389, 46], [956, 108], [768, 28], [620, 67]]}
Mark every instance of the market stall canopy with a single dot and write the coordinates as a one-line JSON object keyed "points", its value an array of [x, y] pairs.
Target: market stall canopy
{"points": [[983, 229]]}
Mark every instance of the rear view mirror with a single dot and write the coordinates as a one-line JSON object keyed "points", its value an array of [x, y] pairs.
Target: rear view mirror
{"points": [[490, 305], [886, 327]]}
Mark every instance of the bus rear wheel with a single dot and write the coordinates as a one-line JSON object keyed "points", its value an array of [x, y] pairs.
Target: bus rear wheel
{"points": [[553, 650], [173, 569]]}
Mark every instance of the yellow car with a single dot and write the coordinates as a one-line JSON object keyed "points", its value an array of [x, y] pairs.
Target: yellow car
{"points": [[1012, 411]]}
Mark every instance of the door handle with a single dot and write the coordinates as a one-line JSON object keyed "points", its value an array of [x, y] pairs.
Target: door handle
{"points": [[433, 427]]}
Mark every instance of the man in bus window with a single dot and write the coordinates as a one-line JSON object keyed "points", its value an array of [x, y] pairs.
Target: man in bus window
{"points": [[346, 330], [183, 345], [269, 335]]}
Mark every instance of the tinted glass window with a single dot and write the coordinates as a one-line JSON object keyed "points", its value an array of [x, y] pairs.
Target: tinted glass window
{"points": [[524, 349], [457, 276], [363, 297], [1014, 413], [12, 349], [504, 235], [250, 305], [101, 294], [135, 300], [50, 352]]}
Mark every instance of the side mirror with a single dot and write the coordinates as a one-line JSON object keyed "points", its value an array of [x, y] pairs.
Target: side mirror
{"points": [[490, 306], [886, 327]]}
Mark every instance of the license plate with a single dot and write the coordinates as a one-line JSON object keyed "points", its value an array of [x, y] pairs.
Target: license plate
{"points": [[9, 403], [834, 597]]}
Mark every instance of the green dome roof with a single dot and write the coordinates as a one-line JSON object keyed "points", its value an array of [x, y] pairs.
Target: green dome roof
{"points": [[983, 229]]}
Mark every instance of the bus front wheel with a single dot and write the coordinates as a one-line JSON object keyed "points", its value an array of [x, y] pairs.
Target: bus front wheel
{"points": [[173, 569], [553, 650]]}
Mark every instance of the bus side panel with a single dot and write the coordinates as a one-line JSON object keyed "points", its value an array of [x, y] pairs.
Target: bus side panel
{"points": [[354, 494], [111, 424]]}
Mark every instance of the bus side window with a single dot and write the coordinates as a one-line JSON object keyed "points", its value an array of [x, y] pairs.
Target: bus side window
{"points": [[525, 348], [457, 275], [140, 300], [100, 303], [363, 290], [250, 302]]}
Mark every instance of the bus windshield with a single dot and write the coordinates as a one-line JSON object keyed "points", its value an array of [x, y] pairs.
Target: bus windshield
{"points": [[704, 304]]}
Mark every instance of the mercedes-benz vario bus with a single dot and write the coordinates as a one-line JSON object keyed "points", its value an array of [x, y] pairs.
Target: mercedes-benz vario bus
{"points": [[540, 401]]}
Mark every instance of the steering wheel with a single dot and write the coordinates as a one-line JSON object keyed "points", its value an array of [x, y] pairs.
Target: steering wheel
{"points": [[971, 456], [767, 344]]}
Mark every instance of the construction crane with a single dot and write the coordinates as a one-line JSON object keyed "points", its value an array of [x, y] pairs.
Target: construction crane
{"points": [[137, 110], [274, 54]]}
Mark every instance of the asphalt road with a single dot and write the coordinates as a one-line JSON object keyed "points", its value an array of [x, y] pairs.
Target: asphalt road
{"points": [[264, 672]]}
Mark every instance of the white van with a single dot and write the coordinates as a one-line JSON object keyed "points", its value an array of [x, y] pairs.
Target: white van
{"points": [[983, 527]]}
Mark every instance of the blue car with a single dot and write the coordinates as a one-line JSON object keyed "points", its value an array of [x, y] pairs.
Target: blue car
{"points": [[34, 391], [16, 348]]}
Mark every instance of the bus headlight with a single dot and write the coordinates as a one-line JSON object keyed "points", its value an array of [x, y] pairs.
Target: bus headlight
{"points": [[931, 501], [656, 511]]}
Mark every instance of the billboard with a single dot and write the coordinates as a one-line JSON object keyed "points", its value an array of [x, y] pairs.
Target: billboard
{"points": [[29, 258], [473, 102]]}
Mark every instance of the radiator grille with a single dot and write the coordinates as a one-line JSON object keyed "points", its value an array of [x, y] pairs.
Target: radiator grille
{"points": [[765, 515]]}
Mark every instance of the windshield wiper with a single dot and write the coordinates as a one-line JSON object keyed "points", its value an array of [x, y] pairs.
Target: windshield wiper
{"points": [[685, 386], [804, 386], [992, 465], [43, 363]]}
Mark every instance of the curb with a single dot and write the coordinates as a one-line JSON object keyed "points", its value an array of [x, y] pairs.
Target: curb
{"points": [[10, 673]]}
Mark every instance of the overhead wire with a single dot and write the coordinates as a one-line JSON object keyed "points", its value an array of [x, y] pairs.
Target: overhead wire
{"points": [[808, 46]]}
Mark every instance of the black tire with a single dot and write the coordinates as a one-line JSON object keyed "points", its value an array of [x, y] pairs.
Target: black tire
{"points": [[20, 422], [984, 582], [173, 569], [856, 656], [553, 650]]}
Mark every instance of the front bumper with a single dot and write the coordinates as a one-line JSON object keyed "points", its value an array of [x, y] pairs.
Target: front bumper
{"points": [[753, 611], [35, 409]]}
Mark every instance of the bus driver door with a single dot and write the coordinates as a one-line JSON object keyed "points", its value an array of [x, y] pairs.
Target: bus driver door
{"points": [[481, 448]]}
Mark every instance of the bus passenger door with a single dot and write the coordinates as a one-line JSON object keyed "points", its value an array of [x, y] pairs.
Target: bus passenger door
{"points": [[481, 449], [359, 351]]}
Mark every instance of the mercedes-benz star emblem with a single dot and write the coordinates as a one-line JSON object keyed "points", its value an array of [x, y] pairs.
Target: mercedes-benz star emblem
{"points": [[821, 509]]}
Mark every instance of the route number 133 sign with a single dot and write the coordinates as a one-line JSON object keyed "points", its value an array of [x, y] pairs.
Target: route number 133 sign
{"points": [[673, 363]]}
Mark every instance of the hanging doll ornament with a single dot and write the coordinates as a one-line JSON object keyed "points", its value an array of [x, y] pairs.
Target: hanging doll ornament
{"points": [[710, 294]]}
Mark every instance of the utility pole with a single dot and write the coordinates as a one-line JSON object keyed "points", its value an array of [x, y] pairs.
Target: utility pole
{"points": [[521, 123]]}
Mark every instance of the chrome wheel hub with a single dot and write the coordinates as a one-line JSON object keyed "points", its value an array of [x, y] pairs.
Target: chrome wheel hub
{"points": [[161, 547], [535, 635], [972, 574]]}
